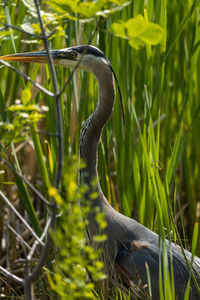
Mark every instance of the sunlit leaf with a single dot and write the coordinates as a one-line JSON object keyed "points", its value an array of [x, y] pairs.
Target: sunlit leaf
{"points": [[138, 31], [152, 34], [119, 29], [135, 26], [26, 96]]}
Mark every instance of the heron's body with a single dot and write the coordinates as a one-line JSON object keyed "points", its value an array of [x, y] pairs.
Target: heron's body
{"points": [[130, 247]]}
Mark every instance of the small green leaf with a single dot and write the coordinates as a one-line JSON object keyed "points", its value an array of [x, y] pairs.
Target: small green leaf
{"points": [[136, 43], [118, 29], [26, 96], [152, 34], [135, 26]]}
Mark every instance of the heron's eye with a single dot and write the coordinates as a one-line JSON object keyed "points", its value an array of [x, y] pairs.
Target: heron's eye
{"points": [[73, 54]]}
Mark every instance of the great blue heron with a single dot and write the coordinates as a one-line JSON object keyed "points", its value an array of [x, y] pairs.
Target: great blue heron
{"points": [[130, 246]]}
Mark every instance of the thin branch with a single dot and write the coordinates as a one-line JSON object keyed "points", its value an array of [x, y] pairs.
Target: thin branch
{"points": [[36, 191], [19, 237], [11, 276], [78, 63], [37, 270], [9, 204], [40, 87], [28, 33], [56, 99], [28, 284], [32, 250], [46, 133], [22, 30], [70, 76]]}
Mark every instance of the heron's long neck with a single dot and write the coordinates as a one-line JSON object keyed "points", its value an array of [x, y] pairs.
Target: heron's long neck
{"points": [[91, 131]]}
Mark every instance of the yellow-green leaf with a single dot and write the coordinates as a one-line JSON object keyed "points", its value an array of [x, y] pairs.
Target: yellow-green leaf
{"points": [[118, 29], [135, 26], [26, 96], [152, 34], [139, 31]]}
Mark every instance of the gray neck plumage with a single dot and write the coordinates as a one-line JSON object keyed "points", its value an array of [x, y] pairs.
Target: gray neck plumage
{"points": [[91, 131]]}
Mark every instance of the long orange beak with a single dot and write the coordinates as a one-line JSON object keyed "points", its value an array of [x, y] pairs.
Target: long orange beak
{"points": [[37, 57]]}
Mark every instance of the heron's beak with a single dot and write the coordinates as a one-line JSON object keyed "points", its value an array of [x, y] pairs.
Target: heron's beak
{"points": [[37, 57]]}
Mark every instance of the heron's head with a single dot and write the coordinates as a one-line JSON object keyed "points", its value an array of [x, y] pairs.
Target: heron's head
{"points": [[85, 57]]}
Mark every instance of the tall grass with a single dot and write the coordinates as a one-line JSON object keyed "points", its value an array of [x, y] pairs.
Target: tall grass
{"points": [[149, 169]]}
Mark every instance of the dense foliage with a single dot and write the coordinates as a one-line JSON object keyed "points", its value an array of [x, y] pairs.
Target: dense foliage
{"points": [[149, 168]]}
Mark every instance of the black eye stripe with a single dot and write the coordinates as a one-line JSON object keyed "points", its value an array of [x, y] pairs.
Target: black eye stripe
{"points": [[58, 54]]}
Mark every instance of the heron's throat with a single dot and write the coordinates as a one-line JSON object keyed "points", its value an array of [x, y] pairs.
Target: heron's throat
{"points": [[91, 131]]}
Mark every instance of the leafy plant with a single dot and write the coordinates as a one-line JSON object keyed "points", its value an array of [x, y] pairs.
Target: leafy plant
{"points": [[77, 268], [138, 31], [24, 119]]}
